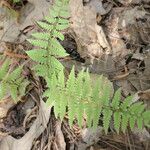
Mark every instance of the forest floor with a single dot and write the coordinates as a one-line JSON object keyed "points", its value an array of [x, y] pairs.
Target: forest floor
{"points": [[110, 37]]}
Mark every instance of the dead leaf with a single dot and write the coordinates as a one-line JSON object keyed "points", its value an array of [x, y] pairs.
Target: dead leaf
{"points": [[60, 137], [89, 137], [145, 95], [90, 37], [129, 16], [5, 105], [142, 135], [25, 143], [33, 11], [98, 6]]}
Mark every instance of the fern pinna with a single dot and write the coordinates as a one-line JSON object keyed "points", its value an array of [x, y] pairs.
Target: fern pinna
{"points": [[11, 82], [78, 94]]}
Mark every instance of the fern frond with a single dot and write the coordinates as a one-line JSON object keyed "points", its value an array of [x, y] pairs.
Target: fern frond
{"points": [[124, 123], [140, 123], [106, 119], [71, 81], [116, 99], [98, 104], [11, 82], [47, 41], [4, 68], [132, 121], [146, 118], [106, 94], [117, 121], [14, 75], [3, 89]]}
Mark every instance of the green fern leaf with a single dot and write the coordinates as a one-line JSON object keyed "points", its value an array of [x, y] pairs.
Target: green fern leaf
{"points": [[15, 75], [124, 123], [97, 102], [63, 104], [4, 69], [41, 35], [96, 116], [63, 21], [89, 114], [117, 121], [106, 94], [62, 26], [58, 50], [134, 108], [116, 99], [22, 87], [71, 81], [87, 87], [132, 121], [58, 35], [38, 55], [45, 26], [39, 43], [16, 1], [80, 112], [79, 85], [41, 70], [59, 3], [55, 65], [140, 123], [13, 92], [53, 13], [3, 89], [61, 80], [107, 113], [71, 113], [50, 19], [126, 103], [64, 14], [146, 117]]}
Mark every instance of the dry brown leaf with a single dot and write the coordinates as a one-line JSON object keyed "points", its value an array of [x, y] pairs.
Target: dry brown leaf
{"points": [[143, 135], [25, 143], [60, 137], [89, 137], [31, 12], [5, 105], [145, 95], [90, 37]]}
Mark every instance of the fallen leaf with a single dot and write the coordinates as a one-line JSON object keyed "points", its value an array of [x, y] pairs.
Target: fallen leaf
{"points": [[25, 143], [145, 95], [5, 105], [90, 37], [60, 137], [33, 11]]}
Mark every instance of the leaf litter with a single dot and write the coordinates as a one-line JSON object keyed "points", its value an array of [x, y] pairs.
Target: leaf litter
{"points": [[113, 39]]}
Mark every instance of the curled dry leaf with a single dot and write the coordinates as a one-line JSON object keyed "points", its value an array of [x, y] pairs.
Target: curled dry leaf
{"points": [[25, 143]]}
